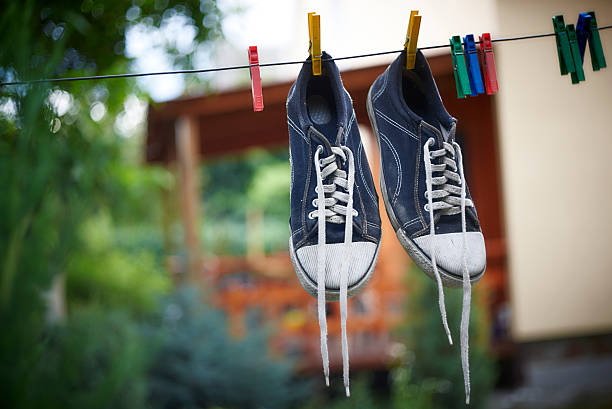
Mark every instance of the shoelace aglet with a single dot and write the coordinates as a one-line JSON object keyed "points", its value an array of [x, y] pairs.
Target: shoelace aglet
{"points": [[467, 397], [327, 380], [348, 391], [450, 339]]}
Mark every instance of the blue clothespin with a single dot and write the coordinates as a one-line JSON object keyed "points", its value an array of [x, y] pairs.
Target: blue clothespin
{"points": [[471, 58], [583, 31], [598, 59]]}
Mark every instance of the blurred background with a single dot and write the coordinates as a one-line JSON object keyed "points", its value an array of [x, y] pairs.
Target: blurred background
{"points": [[144, 222]]}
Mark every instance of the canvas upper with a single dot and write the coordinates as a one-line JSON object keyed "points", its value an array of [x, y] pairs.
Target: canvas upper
{"points": [[319, 106], [406, 111]]}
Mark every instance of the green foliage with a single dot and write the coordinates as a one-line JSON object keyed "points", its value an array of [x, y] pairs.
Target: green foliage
{"points": [[362, 397], [98, 360], [50, 182], [404, 389], [233, 186], [199, 365], [134, 193], [432, 372], [93, 35], [106, 274], [60, 167]]}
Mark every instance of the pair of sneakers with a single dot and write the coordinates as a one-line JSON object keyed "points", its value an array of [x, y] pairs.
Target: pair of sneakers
{"points": [[335, 221]]}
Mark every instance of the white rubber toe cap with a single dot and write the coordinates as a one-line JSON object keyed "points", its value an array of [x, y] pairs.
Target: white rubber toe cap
{"points": [[360, 257], [449, 252]]}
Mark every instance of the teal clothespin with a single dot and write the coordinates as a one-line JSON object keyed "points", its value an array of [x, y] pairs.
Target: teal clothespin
{"points": [[566, 61], [598, 60], [462, 79], [578, 74]]}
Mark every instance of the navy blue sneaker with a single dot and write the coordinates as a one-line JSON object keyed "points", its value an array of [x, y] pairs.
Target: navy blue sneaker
{"points": [[335, 222], [423, 183]]}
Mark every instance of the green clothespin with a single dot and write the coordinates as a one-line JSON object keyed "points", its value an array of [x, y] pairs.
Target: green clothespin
{"points": [[462, 80], [566, 61], [597, 55], [578, 74]]}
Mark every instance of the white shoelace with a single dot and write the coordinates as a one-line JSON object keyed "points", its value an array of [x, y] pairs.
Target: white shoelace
{"points": [[450, 204], [329, 210]]}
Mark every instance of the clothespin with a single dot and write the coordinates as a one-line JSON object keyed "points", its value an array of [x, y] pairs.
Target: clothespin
{"points": [[462, 80], [471, 57], [566, 61], [412, 35], [598, 60], [583, 31], [488, 64], [314, 34], [578, 74], [258, 104]]}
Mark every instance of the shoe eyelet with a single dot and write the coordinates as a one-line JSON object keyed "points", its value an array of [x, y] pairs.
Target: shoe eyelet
{"points": [[426, 207], [310, 216], [314, 203]]}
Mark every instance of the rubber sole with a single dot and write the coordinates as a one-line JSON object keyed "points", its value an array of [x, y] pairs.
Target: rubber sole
{"points": [[416, 254]]}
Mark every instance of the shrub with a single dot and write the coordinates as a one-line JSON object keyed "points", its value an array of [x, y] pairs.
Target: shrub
{"points": [[199, 365], [432, 367]]}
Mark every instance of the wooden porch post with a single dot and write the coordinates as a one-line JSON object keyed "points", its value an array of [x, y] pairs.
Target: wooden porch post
{"points": [[188, 153]]}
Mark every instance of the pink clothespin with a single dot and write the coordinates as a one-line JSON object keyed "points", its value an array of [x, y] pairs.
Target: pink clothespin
{"points": [[488, 64], [258, 104]]}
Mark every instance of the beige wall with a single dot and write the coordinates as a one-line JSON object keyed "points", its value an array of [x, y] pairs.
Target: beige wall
{"points": [[556, 147]]}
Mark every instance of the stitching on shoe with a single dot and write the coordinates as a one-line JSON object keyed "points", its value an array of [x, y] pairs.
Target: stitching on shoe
{"points": [[380, 91], [292, 181], [297, 231], [348, 128], [306, 190], [397, 125], [298, 130], [416, 178], [359, 151], [374, 225], [291, 92], [365, 216], [410, 222], [397, 164]]}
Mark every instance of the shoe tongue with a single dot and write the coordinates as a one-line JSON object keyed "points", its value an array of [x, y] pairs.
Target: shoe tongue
{"points": [[328, 140], [446, 133]]}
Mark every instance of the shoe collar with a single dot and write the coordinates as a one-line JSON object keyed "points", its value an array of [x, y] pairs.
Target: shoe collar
{"points": [[343, 100], [395, 72]]}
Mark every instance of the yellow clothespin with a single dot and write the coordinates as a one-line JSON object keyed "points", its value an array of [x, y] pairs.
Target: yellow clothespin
{"points": [[411, 38], [314, 34]]}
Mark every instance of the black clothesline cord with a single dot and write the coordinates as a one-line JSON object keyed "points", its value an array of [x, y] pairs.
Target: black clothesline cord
{"points": [[239, 67]]}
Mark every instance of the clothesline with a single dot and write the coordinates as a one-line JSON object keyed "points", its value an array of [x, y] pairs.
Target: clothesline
{"points": [[246, 66]]}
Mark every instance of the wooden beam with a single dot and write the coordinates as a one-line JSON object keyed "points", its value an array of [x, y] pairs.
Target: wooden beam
{"points": [[187, 143]]}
